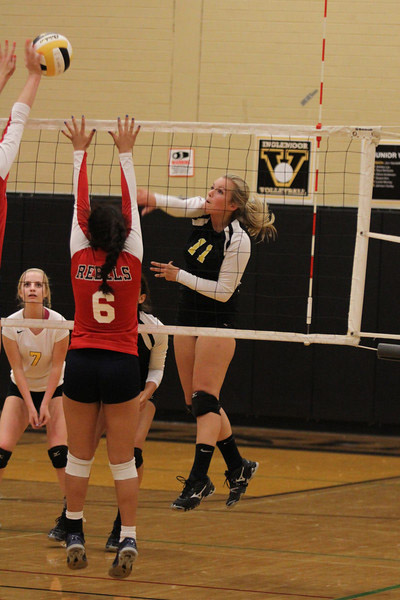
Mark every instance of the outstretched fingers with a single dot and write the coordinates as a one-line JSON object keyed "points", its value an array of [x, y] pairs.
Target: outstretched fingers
{"points": [[71, 128], [7, 62], [32, 59], [6, 54], [83, 122], [124, 138], [77, 135], [126, 134], [166, 270]]}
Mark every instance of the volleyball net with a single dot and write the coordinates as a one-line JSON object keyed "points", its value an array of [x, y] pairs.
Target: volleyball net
{"points": [[303, 173]]}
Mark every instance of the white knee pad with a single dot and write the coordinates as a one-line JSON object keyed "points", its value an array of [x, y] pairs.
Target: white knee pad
{"points": [[124, 470], [78, 467]]}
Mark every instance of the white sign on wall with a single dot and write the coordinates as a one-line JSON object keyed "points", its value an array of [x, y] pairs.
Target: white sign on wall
{"points": [[181, 162]]}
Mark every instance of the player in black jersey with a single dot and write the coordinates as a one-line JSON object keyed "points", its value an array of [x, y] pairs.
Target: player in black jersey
{"points": [[216, 256]]}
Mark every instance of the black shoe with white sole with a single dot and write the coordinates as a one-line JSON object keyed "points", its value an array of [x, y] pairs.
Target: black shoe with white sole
{"points": [[238, 480], [193, 493]]}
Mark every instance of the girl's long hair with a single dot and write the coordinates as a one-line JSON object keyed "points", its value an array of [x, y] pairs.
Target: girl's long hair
{"points": [[254, 213], [107, 231], [145, 289]]}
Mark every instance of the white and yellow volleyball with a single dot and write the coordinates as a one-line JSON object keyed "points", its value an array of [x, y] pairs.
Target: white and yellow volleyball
{"points": [[55, 53]]}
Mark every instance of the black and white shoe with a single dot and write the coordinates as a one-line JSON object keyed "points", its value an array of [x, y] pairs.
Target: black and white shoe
{"points": [[126, 556], [76, 554], [59, 532], [193, 493], [238, 481], [112, 543]]}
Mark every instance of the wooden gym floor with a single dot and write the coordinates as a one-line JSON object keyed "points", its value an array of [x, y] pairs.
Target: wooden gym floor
{"points": [[320, 521]]}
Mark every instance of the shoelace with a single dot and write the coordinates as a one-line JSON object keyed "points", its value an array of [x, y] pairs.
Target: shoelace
{"points": [[234, 484], [182, 480], [229, 484]]}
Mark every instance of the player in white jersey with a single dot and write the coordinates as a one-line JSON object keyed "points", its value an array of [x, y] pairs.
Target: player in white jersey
{"points": [[12, 134], [37, 359], [152, 350]]}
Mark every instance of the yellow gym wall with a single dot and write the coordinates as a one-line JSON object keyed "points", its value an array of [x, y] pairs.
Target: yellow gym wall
{"points": [[215, 60]]}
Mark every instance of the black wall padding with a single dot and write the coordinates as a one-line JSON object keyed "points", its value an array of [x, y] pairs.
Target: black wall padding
{"points": [[268, 383]]}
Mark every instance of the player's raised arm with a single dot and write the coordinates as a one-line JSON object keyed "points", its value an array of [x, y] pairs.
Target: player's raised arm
{"points": [[77, 135], [8, 61], [32, 64]]}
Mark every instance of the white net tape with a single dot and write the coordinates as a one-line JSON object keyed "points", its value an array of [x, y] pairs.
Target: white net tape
{"points": [[278, 336]]}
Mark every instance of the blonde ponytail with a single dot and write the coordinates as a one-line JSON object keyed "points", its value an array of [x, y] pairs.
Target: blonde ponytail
{"points": [[253, 213]]}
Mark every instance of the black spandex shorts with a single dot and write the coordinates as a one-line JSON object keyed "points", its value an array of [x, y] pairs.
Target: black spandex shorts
{"points": [[197, 318], [154, 401], [96, 375], [37, 397], [195, 310]]}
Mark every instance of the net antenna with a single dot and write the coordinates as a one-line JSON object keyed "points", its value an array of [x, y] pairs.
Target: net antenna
{"points": [[317, 157]]}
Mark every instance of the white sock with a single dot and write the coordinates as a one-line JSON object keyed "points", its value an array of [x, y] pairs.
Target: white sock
{"points": [[74, 516], [127, 532]]}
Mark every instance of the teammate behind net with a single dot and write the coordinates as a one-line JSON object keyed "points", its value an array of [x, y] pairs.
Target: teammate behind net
{"points": [[152, 350], [34, 395], [216, 255]]}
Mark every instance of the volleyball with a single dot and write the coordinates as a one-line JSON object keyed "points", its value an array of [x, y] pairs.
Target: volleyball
{"points": [[55, 53]]}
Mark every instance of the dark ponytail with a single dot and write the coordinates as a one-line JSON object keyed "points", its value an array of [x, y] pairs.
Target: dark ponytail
{"points": [[145, 289], [107, 231]]}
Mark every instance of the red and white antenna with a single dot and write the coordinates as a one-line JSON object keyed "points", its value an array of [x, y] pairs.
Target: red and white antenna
{"points": [[318, 126]]}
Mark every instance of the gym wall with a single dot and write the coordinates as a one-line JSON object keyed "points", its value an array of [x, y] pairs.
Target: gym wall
{"points": [[215, 60]]}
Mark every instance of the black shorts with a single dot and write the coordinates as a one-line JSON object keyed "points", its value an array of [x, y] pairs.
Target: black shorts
{"points": [[37, 397], [154, 401], [196, 318], [195, 310], [96, 375]]}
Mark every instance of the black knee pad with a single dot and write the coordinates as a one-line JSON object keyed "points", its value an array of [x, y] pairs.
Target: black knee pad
{"points": [[4, 457], [203, 403], [138, 454], [58, 456]]}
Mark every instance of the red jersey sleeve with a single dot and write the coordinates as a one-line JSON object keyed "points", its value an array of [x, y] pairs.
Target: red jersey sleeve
{"points": [[9, 145], [79, 229], [130, 211], [107, 321]]}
